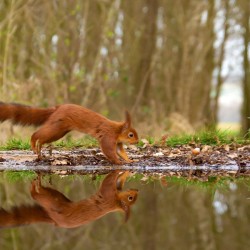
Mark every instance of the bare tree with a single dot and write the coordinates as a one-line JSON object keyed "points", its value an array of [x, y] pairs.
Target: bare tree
{"points": [[219, 64], [246, 67]]}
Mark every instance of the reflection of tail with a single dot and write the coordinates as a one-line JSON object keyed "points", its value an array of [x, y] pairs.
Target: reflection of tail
{"points": [[23, 215]]}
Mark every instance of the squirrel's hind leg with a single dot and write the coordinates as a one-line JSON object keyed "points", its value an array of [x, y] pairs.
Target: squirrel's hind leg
{"points": [[46, 134]]}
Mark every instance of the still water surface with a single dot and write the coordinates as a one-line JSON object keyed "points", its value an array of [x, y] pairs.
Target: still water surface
{"points": [[171, 213]]}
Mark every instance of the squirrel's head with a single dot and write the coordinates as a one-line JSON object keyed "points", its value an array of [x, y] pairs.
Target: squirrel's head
{"points": [[127, 199], [129, 134]]}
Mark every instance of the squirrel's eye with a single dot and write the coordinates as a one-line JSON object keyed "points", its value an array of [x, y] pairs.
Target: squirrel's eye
{"points": [[130, 198], [130, 135]]}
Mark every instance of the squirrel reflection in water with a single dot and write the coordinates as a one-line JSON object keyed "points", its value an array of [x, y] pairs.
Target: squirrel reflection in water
{"points": [[54, 208]]}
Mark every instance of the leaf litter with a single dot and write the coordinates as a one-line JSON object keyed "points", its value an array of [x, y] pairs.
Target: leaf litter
{"points": [[192, 161]]}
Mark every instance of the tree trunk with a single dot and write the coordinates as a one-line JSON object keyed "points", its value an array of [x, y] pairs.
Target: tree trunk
{"points": [[213, 120], [246, 68]]}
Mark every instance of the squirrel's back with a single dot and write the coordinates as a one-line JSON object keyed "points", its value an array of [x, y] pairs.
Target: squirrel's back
{"points": [[23, 114]]}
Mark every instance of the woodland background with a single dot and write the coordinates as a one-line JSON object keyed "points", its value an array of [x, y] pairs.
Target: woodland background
{"points": [[161, 59]]}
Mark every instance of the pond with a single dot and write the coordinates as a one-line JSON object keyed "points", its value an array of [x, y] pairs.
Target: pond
{"points": [[162, 212]]}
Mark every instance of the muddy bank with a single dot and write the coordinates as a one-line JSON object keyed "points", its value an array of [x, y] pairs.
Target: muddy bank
{"points": [[229, 160]]}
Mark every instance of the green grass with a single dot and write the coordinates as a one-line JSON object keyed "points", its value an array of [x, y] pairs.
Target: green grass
{"points": [[216, 137], [16, 144], [206, 137]]}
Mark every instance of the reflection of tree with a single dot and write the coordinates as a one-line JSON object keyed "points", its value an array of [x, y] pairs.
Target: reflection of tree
{"points": [[151, 219], [55, 208], [201, 207]]}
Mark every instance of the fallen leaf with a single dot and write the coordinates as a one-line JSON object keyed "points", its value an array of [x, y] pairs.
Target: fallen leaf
{"points": [[145, 141], [233, 155], [227, 148], [176, 151], [59, 162], [206, 148], [133, 147], [171, 155], [158, 154], [243, 148]]}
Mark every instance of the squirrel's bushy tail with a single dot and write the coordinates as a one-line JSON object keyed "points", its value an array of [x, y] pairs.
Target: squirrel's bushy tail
{"points": [[24, 115]]}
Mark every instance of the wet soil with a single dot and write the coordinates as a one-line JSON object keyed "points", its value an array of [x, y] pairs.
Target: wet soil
{"points": [[186, 160]]}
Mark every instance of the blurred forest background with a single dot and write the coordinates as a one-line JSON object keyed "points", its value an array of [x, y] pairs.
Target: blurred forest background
{"points": [[165, 61]]}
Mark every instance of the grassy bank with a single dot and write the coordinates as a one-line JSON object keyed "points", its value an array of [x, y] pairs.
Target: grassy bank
{"points": [[217, 137]]}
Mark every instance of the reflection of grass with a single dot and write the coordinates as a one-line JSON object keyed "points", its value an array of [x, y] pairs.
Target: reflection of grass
{"points": [[27, 176], [211, 185], [212, 182], [14, 176]]}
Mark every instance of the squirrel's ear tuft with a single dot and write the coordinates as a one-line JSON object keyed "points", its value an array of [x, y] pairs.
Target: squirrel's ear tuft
{"points": [[127, 119]]}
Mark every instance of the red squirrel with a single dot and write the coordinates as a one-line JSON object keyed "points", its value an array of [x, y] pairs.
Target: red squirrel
{"points": [[55, 208], [57, 121]]}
